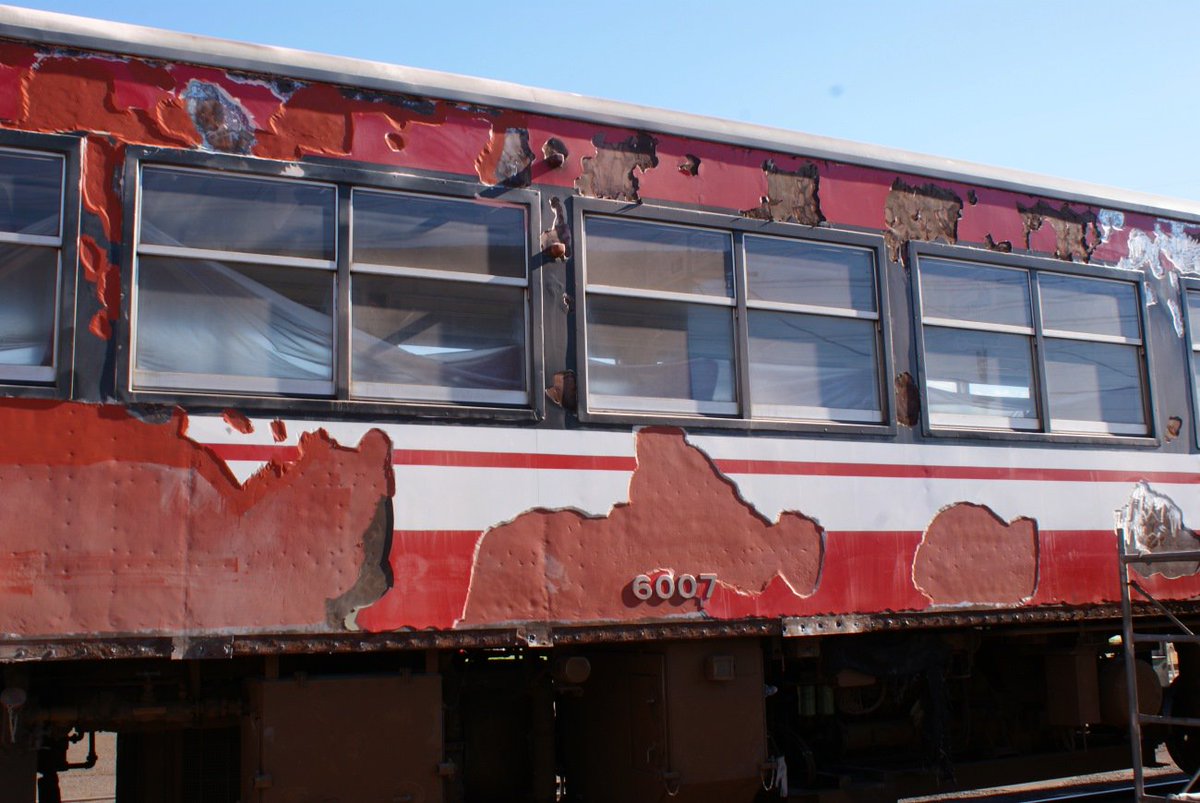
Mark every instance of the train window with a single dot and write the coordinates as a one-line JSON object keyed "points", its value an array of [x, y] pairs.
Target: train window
{"points": [[438, 293], [666, 334], [319, 287], [235, 283], [1013, 348], [37, 239]]}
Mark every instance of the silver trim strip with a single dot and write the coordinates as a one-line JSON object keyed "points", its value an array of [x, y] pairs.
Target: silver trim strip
{"points": [[441, 275], [49, 28], [214, 255], [811, 309], [660, 295], [977, 326], [14, 238]]}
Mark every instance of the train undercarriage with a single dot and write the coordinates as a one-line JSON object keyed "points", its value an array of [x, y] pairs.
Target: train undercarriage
{"points": [[876, 716]]}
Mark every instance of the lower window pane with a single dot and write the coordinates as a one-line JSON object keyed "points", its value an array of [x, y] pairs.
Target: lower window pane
{"points": [[215, 326], [435, 340], [28, 283], [985, 376], [1094, 387], [809, 366], [660, 356]]}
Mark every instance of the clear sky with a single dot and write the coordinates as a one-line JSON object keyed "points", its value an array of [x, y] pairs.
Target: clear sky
{"points": [[1105, 91]]}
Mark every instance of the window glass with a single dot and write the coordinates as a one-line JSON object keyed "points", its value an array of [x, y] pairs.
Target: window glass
{"points": [[202, 323], [29, 276], [1092, 306], [1094, 382], [815, 274], [423, 334], [30, 193], [813, 366], [1193, 302], [658, 257], [973, 292], [439, 234], [222, 212], [655, 349], [980, 374]]}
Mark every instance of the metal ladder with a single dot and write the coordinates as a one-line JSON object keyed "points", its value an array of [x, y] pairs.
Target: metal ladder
{"points": [[1129, 641]]}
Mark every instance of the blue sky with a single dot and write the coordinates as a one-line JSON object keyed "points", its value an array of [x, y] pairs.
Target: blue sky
{"points": [[1105, 92]]}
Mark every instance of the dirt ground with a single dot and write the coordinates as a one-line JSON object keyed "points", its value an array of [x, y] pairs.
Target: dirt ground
{"points": [[98, 784]]}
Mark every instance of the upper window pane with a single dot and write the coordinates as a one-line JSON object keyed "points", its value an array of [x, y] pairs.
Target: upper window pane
{"points": [[1090, 306], [658, 257], [223, 212], [804, 272], [968, 291], [1193, 302], [414, 231], [30, 193]]}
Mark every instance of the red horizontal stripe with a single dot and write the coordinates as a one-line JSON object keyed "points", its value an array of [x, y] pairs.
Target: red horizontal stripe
{"points": [[901, 471], [582, 462]]}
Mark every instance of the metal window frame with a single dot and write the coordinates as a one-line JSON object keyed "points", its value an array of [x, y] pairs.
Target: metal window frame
{"points": [[58, 380], [737, 228], [1099, 432], [345, 178], [1190, 325]]}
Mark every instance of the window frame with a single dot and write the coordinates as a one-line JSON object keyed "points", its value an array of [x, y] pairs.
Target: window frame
{"points": [[1191, 285], [736, 228], [69, 149], [1032, 266], [345, 179]]}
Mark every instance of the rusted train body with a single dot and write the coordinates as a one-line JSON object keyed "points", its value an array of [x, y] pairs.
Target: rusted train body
{"points": [[374, 434]]}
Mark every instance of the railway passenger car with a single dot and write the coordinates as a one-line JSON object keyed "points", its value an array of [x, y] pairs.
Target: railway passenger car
{"points": [[374, 434]]}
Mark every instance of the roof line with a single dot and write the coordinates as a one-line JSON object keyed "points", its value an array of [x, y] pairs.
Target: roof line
{"points": [[64, 30]]}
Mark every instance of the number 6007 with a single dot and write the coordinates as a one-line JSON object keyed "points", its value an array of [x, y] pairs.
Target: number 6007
{"points": [[666, 586]]}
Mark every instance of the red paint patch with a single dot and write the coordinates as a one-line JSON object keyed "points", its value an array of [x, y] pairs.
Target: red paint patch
{"points": [[106, 277], [279, 430], [102, 160], [237, 421], [118, 526], [682, 516], [970, 555], [431, 571], [375, 137]]}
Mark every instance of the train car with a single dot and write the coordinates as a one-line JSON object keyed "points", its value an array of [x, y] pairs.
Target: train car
{"points": [[374, 434]]}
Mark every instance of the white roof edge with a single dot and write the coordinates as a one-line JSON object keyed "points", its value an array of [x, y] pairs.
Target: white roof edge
{"points": [[64, 30]]}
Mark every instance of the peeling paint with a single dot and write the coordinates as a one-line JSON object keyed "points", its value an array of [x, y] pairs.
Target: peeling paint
{"points": [[612, 172], [1070, 229], [555, 153], [791, 196], [563, 390], [1174, 425], [116, 525], [1109, 221], [555, 241], [690, 166], [222, 122], [1152, 522], [106, 277], [970, 556], [506, 159], [925, 213], [908, 400], [237, 421], [1160, 258], [682, 516], [1003, 247], [278, 430]]}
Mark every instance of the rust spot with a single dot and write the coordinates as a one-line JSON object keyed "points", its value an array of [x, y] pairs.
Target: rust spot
{"points": [[908, 400], [1004, 246], [237, 421], [506, 158], [682, 516], [174, 543], [690, 166], [279, 430], [972, 198], [925, 214], [556, 240], [1070, 229], [611, 172], [555, 153], [563, 392], [1174, 425], [223, 124], [969, 555], [791, 196]]}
